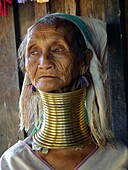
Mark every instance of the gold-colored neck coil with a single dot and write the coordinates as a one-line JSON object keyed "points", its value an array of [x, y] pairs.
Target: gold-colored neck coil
{"points": [[64, 122]]}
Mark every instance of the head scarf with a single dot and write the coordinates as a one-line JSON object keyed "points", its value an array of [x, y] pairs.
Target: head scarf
{"points": [[94, 33]]}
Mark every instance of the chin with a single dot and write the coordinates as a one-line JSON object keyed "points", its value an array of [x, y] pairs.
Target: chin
{"points": [[47, 88], [50, 86]]}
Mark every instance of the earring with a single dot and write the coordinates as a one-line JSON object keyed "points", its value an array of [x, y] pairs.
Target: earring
{"points": [[32, 87]]}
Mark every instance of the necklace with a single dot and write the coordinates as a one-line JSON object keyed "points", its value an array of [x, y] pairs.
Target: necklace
{"points": [[64, 124]]}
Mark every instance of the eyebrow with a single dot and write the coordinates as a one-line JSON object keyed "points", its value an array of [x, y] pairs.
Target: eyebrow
{"points": [[53, 39]]}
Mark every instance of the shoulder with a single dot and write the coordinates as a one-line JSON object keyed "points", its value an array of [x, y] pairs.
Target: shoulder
{"points": [[17, 148], [121, 148], [115, 156], [14, 150], [11, 154], [112, 157], [21, 157], [117, 149]]}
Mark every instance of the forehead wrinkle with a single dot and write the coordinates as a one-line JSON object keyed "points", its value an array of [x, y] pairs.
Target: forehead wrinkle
{"points": [[46, 28], [48, 39], [47, 31], [49, 34], [34, 39]]}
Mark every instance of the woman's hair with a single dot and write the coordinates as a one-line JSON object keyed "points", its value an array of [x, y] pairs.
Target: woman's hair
{"points": [[67, 26]]}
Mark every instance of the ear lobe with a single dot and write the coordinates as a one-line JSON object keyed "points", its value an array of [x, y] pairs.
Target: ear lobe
{"points": [[83, 69], [84, 66], [88, 57]]}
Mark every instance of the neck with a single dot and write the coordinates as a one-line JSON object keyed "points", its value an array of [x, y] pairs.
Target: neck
{"points": [[64, 124]]}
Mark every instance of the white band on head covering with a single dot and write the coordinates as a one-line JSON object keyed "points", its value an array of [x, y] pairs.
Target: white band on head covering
{"points": [[96, 102]]}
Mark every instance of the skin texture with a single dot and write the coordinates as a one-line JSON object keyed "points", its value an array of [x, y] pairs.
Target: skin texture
{"points": [[51, 60]]}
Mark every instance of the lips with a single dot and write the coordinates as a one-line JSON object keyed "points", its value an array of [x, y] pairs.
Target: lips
{"points": [[47, 76]]}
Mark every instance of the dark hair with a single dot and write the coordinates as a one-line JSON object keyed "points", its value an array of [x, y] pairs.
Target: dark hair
{"points": [[57, 22]]}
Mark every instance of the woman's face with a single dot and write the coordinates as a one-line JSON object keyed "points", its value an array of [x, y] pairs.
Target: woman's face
{"points": [[51, 60]]}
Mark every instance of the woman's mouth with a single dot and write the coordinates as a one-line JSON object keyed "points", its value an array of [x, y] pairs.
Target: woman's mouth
{"points": [[47, 77]]}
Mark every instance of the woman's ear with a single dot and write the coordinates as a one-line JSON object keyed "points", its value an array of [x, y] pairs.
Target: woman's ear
{"points": [[85, 66]]}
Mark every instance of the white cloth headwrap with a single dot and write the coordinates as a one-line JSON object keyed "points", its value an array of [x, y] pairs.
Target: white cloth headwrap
{"points": [[95, 101]]}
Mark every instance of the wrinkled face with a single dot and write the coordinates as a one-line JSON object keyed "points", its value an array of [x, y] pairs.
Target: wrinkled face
{"points": [[51, 60]]}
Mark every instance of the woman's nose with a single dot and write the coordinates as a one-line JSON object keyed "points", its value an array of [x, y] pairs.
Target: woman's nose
{"points": [[45, 62]]}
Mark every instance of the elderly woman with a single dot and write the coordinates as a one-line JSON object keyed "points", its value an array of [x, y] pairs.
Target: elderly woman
{"points": [[64, 60]]}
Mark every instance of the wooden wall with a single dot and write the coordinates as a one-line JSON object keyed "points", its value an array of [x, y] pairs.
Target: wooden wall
{"points": [[12, 30], [115, 16], [9, 85]]}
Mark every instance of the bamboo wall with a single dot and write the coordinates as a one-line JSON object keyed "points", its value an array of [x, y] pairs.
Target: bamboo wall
{"points": [[12, 30]]}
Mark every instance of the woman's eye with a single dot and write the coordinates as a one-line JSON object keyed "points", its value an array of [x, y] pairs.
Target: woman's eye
{"points": [[34, 52], [57, 49]]}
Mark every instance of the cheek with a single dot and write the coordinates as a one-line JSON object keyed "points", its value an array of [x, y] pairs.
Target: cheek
{"points": [[71, 67], [30, 67], [65, 68]]}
